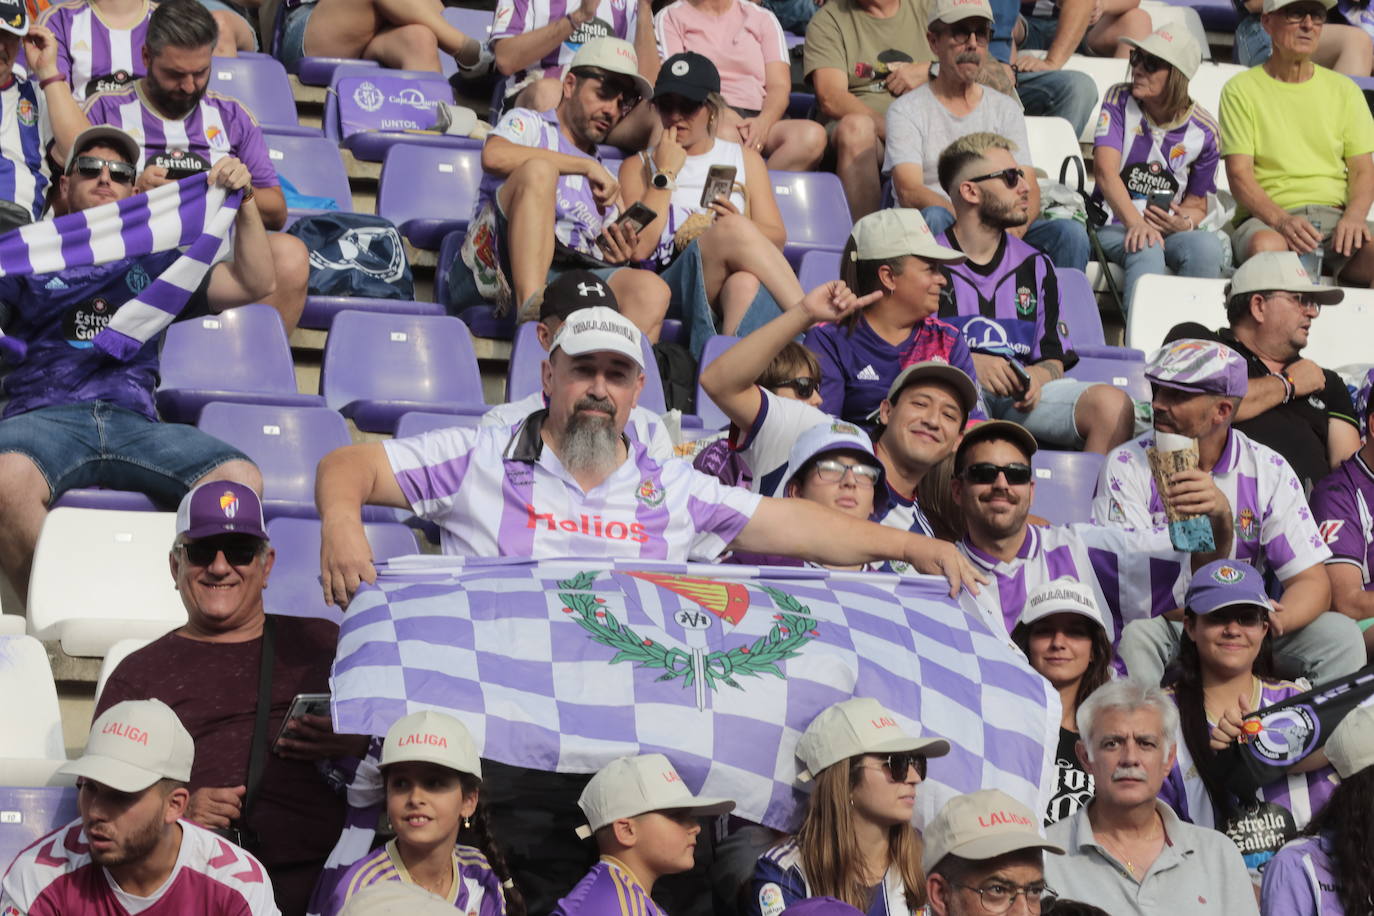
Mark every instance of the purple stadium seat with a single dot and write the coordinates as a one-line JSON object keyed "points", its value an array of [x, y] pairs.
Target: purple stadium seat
{"points": [[313, 166], [261, 84], [370, 111], [651, 398], [818, 268], [319, 71], [814, 212], [526, 358], [377, 367], [286, 443], [415, 422], [1064, 483], [320, 310], [31, 812], [1126, 374], [101, 498], [799, 104], [1078, 311], [712, 417], [239, 355], [294, 590], [428, 192]]}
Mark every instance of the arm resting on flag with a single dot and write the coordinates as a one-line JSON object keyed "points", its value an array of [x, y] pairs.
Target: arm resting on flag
{"points": [[347, 479]]}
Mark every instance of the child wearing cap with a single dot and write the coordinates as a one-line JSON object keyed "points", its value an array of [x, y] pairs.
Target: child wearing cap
{"points": [[1327, 870], [432, 772], [866, 769], [645, 822]]}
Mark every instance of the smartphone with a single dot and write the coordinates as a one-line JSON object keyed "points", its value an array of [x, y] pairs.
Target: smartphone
{"points": [[303, 704], [1021, 374], [1162, 199], [637, 217], [720, 181]]}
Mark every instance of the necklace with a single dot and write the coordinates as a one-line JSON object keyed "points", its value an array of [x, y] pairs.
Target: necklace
{"points": [[1120, 853]]}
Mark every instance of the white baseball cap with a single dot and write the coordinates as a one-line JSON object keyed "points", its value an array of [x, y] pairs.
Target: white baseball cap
{"points": [[1351, 745], [396, 898], [614, 55], [956, 10], [1172, 44], [133, 744], [896, 232], [829, 436], [1272, 5], [1060, 596], [982, 825], [599, 329], [1281, 270], [431, 737], [860, 725], [630, 786]]}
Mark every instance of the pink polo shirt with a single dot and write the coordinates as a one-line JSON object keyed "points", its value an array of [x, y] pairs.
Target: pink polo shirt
{"points": [[740, 43]]}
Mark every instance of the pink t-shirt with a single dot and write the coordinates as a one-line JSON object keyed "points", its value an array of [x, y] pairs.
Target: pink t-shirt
{"points": [[740, 43]]}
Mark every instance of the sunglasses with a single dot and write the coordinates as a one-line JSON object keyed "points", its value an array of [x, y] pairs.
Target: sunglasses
{"points": [[609, 89], [985, 472], [900, 764], [962, 31], [1010, 177], [673, 104], [91, 167], [1294, 16], [804, 387], [1147, 62], [1304, 302], [237, 551], [830, 471], [1249, 618]]}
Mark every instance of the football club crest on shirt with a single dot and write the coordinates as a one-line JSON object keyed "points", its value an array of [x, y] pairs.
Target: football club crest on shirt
{"points": [[1025, 302], [26, 113], [1227, 575], [649, 493], [137, 279]]}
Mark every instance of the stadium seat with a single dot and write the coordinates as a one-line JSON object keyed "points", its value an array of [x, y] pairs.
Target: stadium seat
{"points": [[294, 589], [12, 624], [1341, 335], [1105, 72], [814, 212], [377, 367], [116, 654], [101, 498], [1052, 141], [1205, 87], [320, 310], [525, 375], [239, 355], [428, 192], [473, 23], [286, 443], [1078, 310], [319, 71], [313, 167], [31, 720], [1064, 484], [357, 112], [261, 84], [800, 104], [29, 812], [1163, 301], [1126, 374], [482, 319], [818, 268], [712, 417], [123, 588], [415, 422], [651, 398]]}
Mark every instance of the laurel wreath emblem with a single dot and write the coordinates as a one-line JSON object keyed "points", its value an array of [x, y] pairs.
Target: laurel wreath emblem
{"points": [[793, 627]]}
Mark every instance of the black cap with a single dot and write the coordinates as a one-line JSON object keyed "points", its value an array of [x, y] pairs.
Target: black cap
{"points": [[689, 75], [573, 290], [14, 17]]}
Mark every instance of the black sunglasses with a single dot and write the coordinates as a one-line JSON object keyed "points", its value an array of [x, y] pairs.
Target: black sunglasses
{"points": [[1010, 177], [1147, 62], [674, 104], [610, 88], [961, 32], [237, 551], [91, 166], [985, 472], [900, 763], [804, 387]]}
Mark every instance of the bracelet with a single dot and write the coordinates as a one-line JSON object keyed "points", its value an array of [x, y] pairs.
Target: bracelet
{"points": [[572, 23], [247, 195], [1288, 388], [45, 83]]}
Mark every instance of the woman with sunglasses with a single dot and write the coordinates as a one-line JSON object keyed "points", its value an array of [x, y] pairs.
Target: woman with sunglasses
{"points": [[723, 260], [1225, 671], [1155, 159], [856, 842]]}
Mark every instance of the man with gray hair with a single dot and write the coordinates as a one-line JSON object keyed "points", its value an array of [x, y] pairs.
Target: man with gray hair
{"points": [[1127, 851]]}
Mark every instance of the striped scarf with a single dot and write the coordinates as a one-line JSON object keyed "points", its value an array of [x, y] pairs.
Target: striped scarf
{"points": [[185, 214]]}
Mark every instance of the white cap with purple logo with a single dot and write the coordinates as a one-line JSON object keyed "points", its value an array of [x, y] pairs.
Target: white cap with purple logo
{"points": [[220, 507], [1199, 366]]}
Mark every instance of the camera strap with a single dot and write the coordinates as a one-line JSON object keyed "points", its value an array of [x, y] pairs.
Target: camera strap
{"points": [[257, 753]]}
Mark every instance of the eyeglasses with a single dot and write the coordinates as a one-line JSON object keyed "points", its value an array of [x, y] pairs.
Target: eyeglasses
{"points": [[900, 764], [237, 552], [804, 387], [985, 472], [91, 167], [674, 104], [830, 471], [609, 89], [1147, 62], [998, 898], [1304, 302], [1010, 177], [1294, 16], [962, 31]]}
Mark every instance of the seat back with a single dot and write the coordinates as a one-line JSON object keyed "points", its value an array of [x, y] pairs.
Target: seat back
{"points": [[313, 165], [1078, 308], [1052, 140], [415, 422], [818, 268], [294, 589], [1064, 484], [430, 183], [1341, 335], [31, 720], [241, 349], [117, 653], [526, 361], [1162, 302], [415, 358], [357, 69], [27, 813], [712, 417], [814, 210], [261, 84]]}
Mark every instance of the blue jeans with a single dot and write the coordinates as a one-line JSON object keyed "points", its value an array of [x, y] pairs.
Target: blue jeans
{"points": [[1253, 46], [1064, 240], [1065, 94], [292, 47], [793, 15], [1185, 254], [686, 279]]}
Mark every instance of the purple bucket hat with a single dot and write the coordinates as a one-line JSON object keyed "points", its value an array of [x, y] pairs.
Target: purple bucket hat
{"points": [[1199, 366]]}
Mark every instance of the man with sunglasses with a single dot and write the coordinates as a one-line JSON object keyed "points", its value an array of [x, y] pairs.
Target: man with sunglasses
{"points": [[1309, 197], [209, 672], [1198, 385]]}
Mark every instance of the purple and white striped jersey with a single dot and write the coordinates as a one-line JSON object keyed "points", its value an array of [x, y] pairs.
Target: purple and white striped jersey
{"points": [[643, 426], [616, 18], [1343, 504], [1134, 574], [92, 56], [1274, 527], [498, 492], [24, 135], [609, 889], [1301, 880], [476, 889], [1181, 160], [219, 126]]}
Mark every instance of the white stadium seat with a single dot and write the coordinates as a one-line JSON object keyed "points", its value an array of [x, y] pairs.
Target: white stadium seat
{"points": [[116, 654], [1051, 142], [33, 748], [1162, 302]]}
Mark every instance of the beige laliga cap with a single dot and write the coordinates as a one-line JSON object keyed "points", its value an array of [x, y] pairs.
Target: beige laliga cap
{"points": [[613, 55], [1172, 44], [1061, 596], [860, 725], [1280, 270], [1351, 746], [1272, 5], [134, 744], [955, 10], [431, 737], [894, 233], [396, 898], [597, 330], [982, 825], [630, 786]]}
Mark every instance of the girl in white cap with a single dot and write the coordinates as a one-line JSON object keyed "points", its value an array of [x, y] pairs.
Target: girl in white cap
{"points": [[856, 842], [432, 773]]}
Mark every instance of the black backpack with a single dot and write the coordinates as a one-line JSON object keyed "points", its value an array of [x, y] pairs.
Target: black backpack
{"points": [[679, 373]]}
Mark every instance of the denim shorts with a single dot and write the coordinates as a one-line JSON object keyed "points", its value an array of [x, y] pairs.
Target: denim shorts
{"points": [[1051, 422], [96, 444], [1040, 32], [292, 47]]}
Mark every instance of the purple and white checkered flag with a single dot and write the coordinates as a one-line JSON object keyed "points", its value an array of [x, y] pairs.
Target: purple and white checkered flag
{"points": [[185, 214]]}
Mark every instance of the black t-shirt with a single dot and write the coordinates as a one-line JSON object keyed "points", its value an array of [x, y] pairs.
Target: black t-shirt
{"points": [[1296, 430], [1073, 786]]}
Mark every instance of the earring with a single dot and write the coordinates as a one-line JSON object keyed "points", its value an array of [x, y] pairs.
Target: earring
{"points": [[467, 823]]}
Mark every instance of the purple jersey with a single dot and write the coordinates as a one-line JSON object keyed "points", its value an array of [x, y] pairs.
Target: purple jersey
{"points": [[616, 18], [219, 126], [1010, 306], [1301, 880], [1343, 504], [1180, 160], [609, 889], [92, 56], [476, 890], [24, 135], [857, 365]]}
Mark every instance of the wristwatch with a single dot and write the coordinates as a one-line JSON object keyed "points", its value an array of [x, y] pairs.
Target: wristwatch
{"points": [[663, 181]]}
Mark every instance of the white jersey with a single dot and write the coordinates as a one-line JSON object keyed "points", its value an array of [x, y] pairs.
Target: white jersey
{"points": [[212, 877], [24, 136], [498, 492], [644, 425]]}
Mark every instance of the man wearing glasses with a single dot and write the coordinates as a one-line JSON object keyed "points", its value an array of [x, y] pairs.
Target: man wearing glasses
{"points": [[1297, 139], [547, 204]]}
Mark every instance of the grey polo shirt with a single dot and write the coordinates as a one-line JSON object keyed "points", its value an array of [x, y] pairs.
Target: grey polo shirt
{"points": [[1198, 871]]}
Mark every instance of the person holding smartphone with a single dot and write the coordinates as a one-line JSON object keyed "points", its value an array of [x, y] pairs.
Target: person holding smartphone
{"points": [[1155, 160]]}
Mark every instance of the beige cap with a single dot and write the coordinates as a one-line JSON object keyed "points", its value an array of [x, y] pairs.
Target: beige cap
{"points": [[980, 826], [1060, 596], [431, 737], [860, 725], [599, 329], [955, 10], [629, 786], [134, 744], [1272, 5], [614, 55], [1351, 745], [932, 370], [1281, 270], [896, 232], [396, 898], [1171, 43]]}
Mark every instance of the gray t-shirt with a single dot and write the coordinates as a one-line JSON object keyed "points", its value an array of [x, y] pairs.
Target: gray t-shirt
{"points": [[919, 128]]}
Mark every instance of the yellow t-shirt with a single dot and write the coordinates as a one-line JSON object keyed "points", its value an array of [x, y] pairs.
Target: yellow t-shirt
{"points": [[843, 36], [1300, 134]]}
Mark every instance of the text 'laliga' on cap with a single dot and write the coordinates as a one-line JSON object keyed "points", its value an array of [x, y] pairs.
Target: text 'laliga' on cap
{"points": [[631, 786], [859, 725], [982, 825], [434, 737], [134, 744]]}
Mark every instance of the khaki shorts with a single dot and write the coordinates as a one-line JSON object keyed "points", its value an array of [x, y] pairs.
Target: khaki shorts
{"points": [[1324, 219]]}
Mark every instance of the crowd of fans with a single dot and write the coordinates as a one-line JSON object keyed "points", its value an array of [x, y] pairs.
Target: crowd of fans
{"points": [[883, 422]]}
